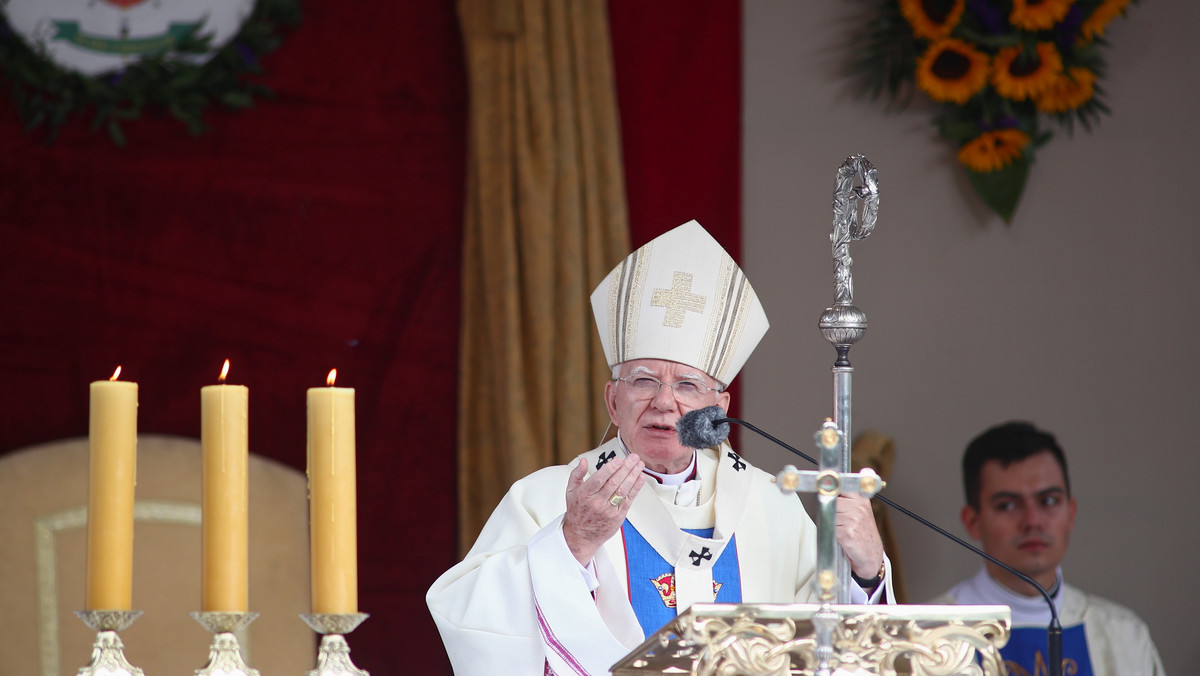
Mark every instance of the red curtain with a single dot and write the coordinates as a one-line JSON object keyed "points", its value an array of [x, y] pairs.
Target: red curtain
{"points": [[322, 230], [679, 86]]}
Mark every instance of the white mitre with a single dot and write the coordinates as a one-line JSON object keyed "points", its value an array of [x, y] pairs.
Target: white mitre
{"points": [[680, 298]]}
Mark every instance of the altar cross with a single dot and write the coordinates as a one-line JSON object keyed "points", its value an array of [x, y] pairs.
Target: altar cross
{"points": [[828, 482]]}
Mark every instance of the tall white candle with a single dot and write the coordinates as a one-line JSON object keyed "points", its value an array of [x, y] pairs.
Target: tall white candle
{"points": [[224, 439], [112, 474], [333, 520]]}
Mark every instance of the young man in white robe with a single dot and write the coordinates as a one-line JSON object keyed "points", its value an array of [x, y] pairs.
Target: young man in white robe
{"points": [[1019, 505], [580, 563]]}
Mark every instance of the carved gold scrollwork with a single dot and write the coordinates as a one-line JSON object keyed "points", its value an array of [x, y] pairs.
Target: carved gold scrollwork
{"points": [[866, 644], [744, 646]]}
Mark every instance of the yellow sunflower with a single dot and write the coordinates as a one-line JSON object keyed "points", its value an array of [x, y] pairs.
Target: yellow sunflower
{"points": [[1095, 24], [993, 150], [1020, 75], [1068, 92], [1036, 15], [952, 70], [932, 19]]}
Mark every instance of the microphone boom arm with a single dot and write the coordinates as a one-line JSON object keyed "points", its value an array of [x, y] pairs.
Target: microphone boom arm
{"points": [[1054, 631]]}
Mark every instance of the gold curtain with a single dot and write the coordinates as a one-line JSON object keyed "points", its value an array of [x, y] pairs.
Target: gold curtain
{"points": [[878, 451], [545, 220]]}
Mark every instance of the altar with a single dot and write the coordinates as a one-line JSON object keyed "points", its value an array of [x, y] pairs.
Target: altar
{"points": [[780, 640]]}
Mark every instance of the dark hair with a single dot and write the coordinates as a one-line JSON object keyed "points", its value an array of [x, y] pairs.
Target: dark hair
{"points": [[1006, 444]]}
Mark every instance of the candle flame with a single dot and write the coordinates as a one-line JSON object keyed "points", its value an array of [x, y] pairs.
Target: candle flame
{"points": [[224, 372], [331, 377], [116, 374]]}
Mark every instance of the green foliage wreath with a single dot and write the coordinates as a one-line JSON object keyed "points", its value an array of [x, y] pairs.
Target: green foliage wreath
{"points": [[48, 96]]}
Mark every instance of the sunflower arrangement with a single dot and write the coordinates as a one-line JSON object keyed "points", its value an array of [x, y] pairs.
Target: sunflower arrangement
{"points": [[999, 69]]}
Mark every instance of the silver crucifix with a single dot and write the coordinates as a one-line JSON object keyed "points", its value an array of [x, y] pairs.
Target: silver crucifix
{"points": [[828, 482]]}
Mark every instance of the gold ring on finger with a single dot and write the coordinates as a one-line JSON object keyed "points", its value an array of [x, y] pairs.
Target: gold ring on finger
{"points": [[616, 499]]}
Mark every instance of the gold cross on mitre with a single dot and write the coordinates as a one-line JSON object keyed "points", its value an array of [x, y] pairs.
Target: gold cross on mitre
{"points": [[679, 300]]}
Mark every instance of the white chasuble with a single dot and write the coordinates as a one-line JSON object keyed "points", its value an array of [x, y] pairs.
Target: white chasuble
{"points": [[1100, 638], [520, 603]]}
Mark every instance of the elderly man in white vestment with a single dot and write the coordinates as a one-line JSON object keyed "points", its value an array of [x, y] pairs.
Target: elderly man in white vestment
{"points": [[579, 563], [1019, 505]]}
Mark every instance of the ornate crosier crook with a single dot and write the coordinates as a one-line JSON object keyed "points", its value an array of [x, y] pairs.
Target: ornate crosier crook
{"points": [[843, 324], [846, 224]]}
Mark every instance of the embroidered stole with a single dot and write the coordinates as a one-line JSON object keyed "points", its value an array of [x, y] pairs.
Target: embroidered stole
{"points": [[697, 565], [1025, 652], [652, 579]]}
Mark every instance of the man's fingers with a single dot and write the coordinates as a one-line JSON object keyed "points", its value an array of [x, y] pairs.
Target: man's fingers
{"points": [[850, 505], [596, 482], [632, 477], [623, 475], [577, 474], [858, 535], [608, 478]]}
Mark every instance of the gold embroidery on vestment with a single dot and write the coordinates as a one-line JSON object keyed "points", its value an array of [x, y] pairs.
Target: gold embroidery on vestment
{"points": [[679, 300]]}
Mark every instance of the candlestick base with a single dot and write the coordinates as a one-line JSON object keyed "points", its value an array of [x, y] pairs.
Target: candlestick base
{"points": [[333, 657], [225, 654], [108, 652]]}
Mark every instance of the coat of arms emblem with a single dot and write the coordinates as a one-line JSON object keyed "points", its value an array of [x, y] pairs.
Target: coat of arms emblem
{"points": [[107, 35]]}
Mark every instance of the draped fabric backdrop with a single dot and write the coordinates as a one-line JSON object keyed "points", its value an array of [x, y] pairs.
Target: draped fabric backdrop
{"points": [[679, 84], [545, 221], [319, 230], [316, 231], [545, 216]]}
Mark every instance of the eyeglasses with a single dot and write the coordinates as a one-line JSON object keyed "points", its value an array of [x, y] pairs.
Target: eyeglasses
{"points": [[687, 391]]}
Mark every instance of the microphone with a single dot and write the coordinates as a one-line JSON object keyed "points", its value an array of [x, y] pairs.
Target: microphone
{"points": [[700, 428], [709, 426]]}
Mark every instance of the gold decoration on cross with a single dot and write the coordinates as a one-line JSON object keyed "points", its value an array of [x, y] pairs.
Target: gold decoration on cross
{"points": [[679, 300]]}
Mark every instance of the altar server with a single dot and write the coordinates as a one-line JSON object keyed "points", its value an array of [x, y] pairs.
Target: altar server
{"points": [[579, 563], [1019, 505]]}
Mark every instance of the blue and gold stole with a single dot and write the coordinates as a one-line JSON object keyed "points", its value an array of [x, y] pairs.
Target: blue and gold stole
{"points": [[652, 578], [1025, 652]]}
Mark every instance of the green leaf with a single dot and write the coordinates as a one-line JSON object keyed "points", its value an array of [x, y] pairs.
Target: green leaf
{"points": [[115, 132], [1001, 190], [959, 132], [991, 42], [236, 99]]}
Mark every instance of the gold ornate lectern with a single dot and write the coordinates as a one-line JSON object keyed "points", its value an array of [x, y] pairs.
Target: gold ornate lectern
{"points": [[779, 640]]}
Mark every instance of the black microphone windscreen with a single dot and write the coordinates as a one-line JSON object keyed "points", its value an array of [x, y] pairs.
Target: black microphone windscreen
{"points": [[697, 429]]}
